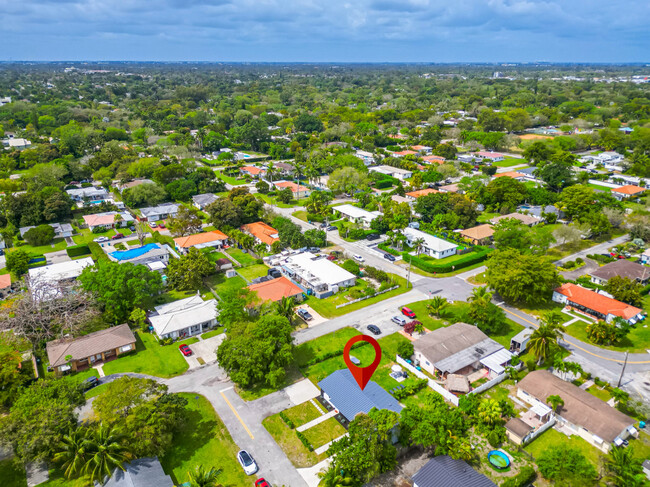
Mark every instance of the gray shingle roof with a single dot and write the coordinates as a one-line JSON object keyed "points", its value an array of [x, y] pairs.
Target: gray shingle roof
{"points": [[144, 472], [346, 395], [623, 268], [444, 471]]}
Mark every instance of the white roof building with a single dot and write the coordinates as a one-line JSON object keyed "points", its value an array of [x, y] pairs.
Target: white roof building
{"points": [[42, 280], [395, 172], [434, 246], [357, 214], [320, 275], [17, 143], [186, 317]]}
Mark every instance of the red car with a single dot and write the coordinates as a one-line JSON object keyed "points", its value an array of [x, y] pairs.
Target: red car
{"points": [[116, 236], [185, 350], [262, 483], [408, 312], [162, 225]]}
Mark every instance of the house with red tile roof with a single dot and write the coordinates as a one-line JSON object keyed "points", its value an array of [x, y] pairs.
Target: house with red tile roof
{"points": [[276, 289], [421, 148], [203, 240], [627, 191], [512, 174], [597, 305], [5, 281], [298, 190], [403, 153], [253, 171], [262, 233], [433, 159], [397, 136], [414, 195]]}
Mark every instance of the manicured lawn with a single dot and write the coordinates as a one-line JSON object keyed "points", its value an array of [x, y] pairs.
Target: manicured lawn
{"points": [[485, 217], [455, 312], [552, 438], [229, 179], [253, 271], [241, 257], [173, 295], [638, 340], [302, 413], [272, 200], [219, 282], [215, 256], [446, 260], [204, 441], [292, 375], [213, 333], [511, 329], [598, 187], [151, 358], [601, 394], [324, 432], [87, 236], [287, 439], [510, 161], [96, 391], [56, 245], [302, 215], [12, 473], [322, 346]]}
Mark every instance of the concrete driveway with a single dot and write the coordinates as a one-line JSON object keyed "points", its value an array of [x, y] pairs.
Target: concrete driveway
{"points": [[316, 318], [206, 350], [56, 257], [302, 391]]}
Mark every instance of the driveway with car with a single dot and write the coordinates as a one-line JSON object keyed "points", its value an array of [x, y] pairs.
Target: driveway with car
{"points": [[316, 319]]}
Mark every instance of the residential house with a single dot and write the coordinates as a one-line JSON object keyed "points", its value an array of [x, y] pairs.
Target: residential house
{"points": [[395, 172], [5, 285], [468, 158], [16, 143], [108, 220], [44, 281], [489, 156], [298, 190], [539, 211], [145, 255], [609, 157], [74, 354], [367, 157], [160, 212], [403, 153], [253, 171], [581, 414], [401, 199], [433, 159], [91, 194], [142, 472], [622, 268], [201, 201], [596, 305], [61, 230], [414, 195], [356, 214], [341, 390], [444, 471], [645, 257], [432, 246], [321, 182], [186, 317], [276, 289], [284, 168], [214, 239], [262, 233], [627, 191], [315, 274], [528, 220], [132, 184], [478, 235], [460, 349], [423, 149], [449, 188], [519, 176]]}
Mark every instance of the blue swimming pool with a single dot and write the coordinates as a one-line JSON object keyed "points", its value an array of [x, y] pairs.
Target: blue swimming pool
{"points": [[498, 459]]}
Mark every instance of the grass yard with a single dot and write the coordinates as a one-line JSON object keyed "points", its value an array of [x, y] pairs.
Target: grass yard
{"points": [[272, 200], [598, 187], [96, 391], [56, 245], [287, 439], [151, 358], [485, 217], [552, 438], [301, 215], [509, 162], [87, 236], [324, 432], [446, 260], [455, 312], [600, 393], [204, 440], [637, 341], [320, 347], [12, 473], [219, 282], [292, 375], [217, 331], [229, 179], [251, 272], [243, 258], [302, 413]]}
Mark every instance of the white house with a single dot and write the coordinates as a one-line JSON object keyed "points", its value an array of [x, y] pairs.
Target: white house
{"points": [[42, 280], [144, 255], [61, 230], [395, 172], [432, 246], [367, 157], [160, 212], [357, 215], [16, 143], [89, 194], [183, 318], [316, 275]]}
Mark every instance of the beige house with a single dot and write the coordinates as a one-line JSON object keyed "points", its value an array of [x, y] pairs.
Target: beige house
{"points": [[479, 235]]}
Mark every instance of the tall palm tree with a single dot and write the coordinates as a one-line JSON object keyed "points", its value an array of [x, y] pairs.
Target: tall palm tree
{"points": [[623, 469], [437, 305], [202, 477], [332, 478], [72, 452], [480, 294], [555, 401], [271, 171], [543, 342], [489, 411], [419, 245], [286, 307], [106, 452]]}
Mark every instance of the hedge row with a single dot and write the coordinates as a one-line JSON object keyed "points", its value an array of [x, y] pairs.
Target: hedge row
{"points": [[304, 441], [387, 248], [329, 355], [97, 252], [287, 420], [479, 255], [78, 250]]}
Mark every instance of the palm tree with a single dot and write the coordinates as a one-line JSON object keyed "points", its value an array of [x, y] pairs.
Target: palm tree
{"points": [[419, 245], [623, 469], [480, 295], [72, 452], [332, 478], [201, 477], [286, 307], [620, 397], [260, 248], [437, 305], [489, 411], [106, 452], [271, 171], [555, 401], [543, 342]]}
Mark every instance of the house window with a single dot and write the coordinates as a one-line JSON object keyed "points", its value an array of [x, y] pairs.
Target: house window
{"points": [[126, 348]]}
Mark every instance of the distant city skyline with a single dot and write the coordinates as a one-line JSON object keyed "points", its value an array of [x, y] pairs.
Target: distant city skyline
{"points": [[588, 31]]}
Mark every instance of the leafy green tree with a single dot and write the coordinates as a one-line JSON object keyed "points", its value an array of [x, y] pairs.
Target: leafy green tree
{"points": [[13, 376], [138, 319], [121, 287], [510, 233], [489, 412], [555, 401], [285, 307], [577, 201], [603, 333], [224, 213], [557, 175], [505, 193], [17, 262], [623, 469], [318, 201], [624, 289], [347, 180], [148, 194], [486, 315], [188, 271], [107, 450], [40, 235], [565, 464], [233, 304], [285, 196], [437, 305]]}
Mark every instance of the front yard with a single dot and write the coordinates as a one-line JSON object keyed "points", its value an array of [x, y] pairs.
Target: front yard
{"points": [[287, 439], [637, 341]]}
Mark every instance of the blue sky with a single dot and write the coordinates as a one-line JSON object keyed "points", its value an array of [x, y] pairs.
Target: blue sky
{"points": [[326, 30]]}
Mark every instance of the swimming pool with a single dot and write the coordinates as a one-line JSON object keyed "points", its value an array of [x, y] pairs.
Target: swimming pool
{"points": [[498, 459]]}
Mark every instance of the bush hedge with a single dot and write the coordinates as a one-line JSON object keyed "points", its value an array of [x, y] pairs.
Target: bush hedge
{"points": [[287, 420], [524, 478], [78, 250], [478, 255], [411, 386], [304, 441], [313, 217], [97, 252]]}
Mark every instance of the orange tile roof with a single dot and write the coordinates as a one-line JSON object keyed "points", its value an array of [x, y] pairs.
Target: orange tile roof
{"points": [[253, 170], [629, 189], [422, 192], [5, 281], [263, 232], [430, 159], [418, 147], [275, 289], [405, 153], [396, 136], [291, 185], [597, 302], [511, 174], [478, 232], [199, 238]]}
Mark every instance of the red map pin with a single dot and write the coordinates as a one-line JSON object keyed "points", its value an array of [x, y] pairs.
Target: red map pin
{"points": [[362, 374]]}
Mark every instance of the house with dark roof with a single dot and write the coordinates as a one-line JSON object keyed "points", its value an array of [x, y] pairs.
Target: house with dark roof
{"points": [[528, 220], [143, 472], [341, 390], [596, 305], [83, 352], [622, 268], [200, 201], [581, 414], [444, 471]]}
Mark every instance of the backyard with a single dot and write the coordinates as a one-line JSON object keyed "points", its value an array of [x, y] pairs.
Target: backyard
{"points": [[253, 271], [553, 439], [243, 258], [509, 162]]}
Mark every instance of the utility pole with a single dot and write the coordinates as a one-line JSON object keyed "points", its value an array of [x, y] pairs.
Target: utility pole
{"points": [[408, 276], [620, 378]]}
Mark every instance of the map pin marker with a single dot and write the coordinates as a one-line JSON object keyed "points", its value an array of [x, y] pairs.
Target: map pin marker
{"points": [[362, 374]]}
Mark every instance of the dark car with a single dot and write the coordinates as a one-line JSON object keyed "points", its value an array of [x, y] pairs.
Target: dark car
{"points": [[89, 383], [262, 483], [185, 350], [304, 314], [331, 228], [374, 329], [132, 228], [313, 250], [372, 236], [116, 236], [389, 257], [274, 273]]}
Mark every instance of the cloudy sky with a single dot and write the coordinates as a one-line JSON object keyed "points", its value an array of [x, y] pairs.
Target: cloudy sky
{"points": [[326, 30]]}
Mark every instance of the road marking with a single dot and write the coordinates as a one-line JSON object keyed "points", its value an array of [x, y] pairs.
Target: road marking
{"points": [[237, 414], [227, 389], [579, 347]]}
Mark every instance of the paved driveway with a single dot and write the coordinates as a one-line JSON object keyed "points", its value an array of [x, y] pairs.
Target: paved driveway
{"points": [[301, 391], [206, 349], [316, 318], [56, 257]]}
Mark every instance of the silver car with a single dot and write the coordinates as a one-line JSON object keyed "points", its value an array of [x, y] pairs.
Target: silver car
{"points": [[399, 320], [247, 462]]}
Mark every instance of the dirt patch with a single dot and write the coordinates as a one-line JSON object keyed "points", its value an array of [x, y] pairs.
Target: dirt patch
{"points": [[401, 476]]}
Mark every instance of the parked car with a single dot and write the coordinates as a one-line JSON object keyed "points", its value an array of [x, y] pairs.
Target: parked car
{"points": [[185, 350], [374, 329], [153, 225], [247, 462], [304, 314], [358, 258], [399, 320], [314, 250], [372, 236], [162, 225], [89, 383], [274, 273], [389, 257], [331, 257], [408, 312], [331, 228], [117, 236], [101, 239], [132, 228], [262, 483]]}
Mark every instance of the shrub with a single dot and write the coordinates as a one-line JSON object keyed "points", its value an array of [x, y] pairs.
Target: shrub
{"points": [[357, 234], [97, 252], [351, 266], [478, 254], [496, 436], [411, 386], [580, 260], [287, 420], [40, 235], [356, 293], [387, 248], [405, 349], [524, 478], [531, 364], [383, 184], [78, 250], [313, 217], [304, 441], [332, 354]]}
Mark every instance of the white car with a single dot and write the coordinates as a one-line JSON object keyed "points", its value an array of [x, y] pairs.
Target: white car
{"points": [[247, 462], [399, 320], [358, 258], [101, 239]]}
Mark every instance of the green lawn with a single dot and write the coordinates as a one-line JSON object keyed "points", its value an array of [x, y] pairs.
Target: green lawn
{"points": [[96, 391], [637, 341], [302, 413], [272, 200], [253, 271], [552, 438], [241, 257], [12, 473], [219, 282], [485, 217], [87, 236], [446, 260], [213, 333], [302, 215], [151, 358], [323, 345], [601, 394], [229, 179], [509, 162], [56, 245], [599, 187], [324, 432], [454, 313], [287, 439], [204, 440]]}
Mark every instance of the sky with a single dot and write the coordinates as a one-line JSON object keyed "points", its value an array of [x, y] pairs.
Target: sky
{"points": [[326, 30]]}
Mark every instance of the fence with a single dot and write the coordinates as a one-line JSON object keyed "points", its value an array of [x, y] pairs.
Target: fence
{"points": [[531, 436], [488, 384], [366, 297], [432, 384]]}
